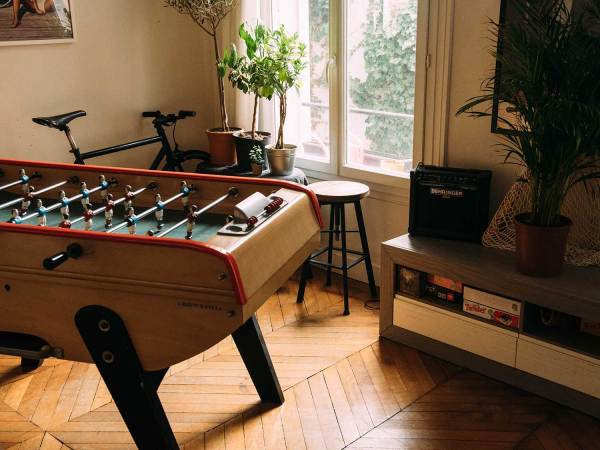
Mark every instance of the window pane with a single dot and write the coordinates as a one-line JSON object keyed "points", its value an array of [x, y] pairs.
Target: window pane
{"points": [[307, 123], [382, 37]]}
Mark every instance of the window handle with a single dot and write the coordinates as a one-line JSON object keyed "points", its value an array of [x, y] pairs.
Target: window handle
{"points": [[330, 63]]}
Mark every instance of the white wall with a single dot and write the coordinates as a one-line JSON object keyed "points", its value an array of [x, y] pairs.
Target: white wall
{"points": [[470, 143], [129, 56]]}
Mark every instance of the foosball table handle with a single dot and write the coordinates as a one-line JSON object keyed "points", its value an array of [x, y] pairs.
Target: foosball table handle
{"points": [[73, 251]]}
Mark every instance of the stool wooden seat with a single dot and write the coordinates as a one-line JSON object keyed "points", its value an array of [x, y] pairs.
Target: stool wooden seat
{"points": [[337, 194], [339, 191]]}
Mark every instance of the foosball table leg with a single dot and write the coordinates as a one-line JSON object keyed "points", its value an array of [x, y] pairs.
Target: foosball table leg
{"points": [[250, 342], [134, 390]]}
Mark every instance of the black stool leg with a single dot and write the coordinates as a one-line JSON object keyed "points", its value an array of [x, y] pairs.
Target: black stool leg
{"points": [[305, 275], [28, 364], [344, 260], [365, 248], [251, 345], [332, 226]]}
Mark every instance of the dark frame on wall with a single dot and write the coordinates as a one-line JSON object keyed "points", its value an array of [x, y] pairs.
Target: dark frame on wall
{"points": [[507, 16]]}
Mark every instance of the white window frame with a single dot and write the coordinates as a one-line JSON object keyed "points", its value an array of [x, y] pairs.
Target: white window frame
{"points": [[434, 45]]}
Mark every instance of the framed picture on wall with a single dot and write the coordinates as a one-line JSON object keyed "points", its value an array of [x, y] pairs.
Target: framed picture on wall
{"points": [[26, 22], [508, 17]]}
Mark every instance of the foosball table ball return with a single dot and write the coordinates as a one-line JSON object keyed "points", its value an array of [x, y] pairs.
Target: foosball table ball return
{"points": [[138, 270]]}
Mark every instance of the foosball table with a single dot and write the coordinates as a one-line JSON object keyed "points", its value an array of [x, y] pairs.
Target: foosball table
{"points": [[137, 270]]}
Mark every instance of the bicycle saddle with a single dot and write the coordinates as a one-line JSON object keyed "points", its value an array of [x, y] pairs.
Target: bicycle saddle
{"points": [[59, 122]]}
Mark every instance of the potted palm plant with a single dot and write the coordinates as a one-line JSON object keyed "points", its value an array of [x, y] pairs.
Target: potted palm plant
{"points": [[287, 56], [250, 73], [551, 85], [208, 15]]}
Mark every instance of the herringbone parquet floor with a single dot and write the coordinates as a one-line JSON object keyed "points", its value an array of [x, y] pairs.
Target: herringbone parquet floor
{"points": [[343, 388]]}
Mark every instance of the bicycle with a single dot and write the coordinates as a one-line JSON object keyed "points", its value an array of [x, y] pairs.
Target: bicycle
{"points": [[174, 158]]}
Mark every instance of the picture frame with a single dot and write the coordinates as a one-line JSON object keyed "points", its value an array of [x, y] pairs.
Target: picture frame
{"points": [[508, 15], [53, 22]]}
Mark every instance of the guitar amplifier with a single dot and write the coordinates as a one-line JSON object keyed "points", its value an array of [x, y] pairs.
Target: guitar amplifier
{"points": [[449, 203]]}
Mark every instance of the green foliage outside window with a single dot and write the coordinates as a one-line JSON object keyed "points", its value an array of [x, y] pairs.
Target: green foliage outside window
{"points": [[389, 53], [389, 48]]}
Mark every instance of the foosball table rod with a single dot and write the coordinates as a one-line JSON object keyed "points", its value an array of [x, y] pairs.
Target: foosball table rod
{"points": [[36, 193], [117, 202], [130, 221], [64, 202], [232, 192], [23, 179]]}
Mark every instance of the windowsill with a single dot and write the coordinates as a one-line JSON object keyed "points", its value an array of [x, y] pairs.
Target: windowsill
{"points": [[398, 193]]}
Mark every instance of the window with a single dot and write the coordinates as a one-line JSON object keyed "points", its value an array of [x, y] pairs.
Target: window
{"points": [[355, 114]]}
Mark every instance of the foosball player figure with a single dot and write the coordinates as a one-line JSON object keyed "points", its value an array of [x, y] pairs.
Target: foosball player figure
{"points": [[109, 207], [88, 217], [85, 194], [24, 181], [129, 196], [191, 221], [185, 190], [103, 186], [132, 220], [41, 213], [64, 209], [14, 216], [27, 199], [160, 211], [65, 223]]}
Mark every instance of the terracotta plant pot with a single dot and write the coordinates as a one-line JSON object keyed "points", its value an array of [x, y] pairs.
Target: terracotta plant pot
{"points": [[257, 169], [221, 146], [244, 143], [541, 250]]}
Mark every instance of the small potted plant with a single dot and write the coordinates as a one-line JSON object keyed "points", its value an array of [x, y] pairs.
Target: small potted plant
{"points": [[287, 55], [208, 15], [250, 74], [550, 65], [257, 160]]}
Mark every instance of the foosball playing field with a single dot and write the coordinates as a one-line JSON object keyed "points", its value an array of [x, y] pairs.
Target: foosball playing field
{"points": [[138, 270], [110, 210]]}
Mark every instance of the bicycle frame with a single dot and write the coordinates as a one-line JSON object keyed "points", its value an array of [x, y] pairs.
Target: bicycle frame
{"points": [[165, 152]]}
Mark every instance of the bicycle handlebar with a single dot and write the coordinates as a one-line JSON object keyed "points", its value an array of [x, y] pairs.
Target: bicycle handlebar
{"points": [[184, 114], [169, 117]]}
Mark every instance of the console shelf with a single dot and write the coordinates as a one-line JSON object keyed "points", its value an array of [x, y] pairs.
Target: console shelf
{"points": [[562, 364]]}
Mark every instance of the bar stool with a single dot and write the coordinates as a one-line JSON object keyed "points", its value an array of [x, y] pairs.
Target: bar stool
{"points": [[337, 194]]}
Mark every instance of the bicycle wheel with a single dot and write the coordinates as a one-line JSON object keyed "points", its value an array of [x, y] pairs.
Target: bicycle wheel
{"points": [[188, 155], [5, 3]]}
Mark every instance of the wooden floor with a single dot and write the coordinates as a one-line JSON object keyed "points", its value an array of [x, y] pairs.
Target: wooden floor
{"points": [[343, 388]]}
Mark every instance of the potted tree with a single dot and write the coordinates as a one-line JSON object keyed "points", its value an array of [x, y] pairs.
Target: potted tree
{"points": [[250, 73], [287, 55], [208, 15], [257, 160], [550, 83]]}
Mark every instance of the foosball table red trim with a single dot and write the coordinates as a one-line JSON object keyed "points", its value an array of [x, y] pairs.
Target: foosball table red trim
{"points": [[225, 256]]}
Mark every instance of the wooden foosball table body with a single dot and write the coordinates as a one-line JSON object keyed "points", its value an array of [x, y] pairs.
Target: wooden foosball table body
{"points": [[134, 303]]}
